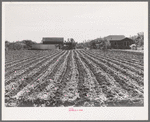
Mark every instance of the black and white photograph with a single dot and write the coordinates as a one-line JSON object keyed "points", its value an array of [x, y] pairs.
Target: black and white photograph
{"points": [[76, 57]]}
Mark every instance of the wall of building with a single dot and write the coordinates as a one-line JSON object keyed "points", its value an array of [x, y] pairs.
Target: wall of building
{"points": [[43, 46], [121, 44]]}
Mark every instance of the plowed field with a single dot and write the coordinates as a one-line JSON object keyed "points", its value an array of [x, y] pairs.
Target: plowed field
{"points": [[92, 78]]}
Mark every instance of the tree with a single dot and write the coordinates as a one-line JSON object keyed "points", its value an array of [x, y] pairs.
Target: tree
{"points": [[103, 44], [138, 39], [6, 42], [93, 44], [73, 43], [107, 44]]}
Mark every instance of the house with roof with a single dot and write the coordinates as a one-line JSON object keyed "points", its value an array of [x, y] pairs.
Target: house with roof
{"points": [[48, 43], [119, 41]]}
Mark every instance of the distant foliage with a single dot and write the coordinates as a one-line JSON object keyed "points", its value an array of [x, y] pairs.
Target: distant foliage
{"points": [[73, 43], [69, 45], [79, 45], [93, 44], [28, 43], [19, 45], [138, 39], [100, 43]]}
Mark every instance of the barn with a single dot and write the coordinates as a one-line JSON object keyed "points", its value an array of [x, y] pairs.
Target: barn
{"points": [[119, 41], [49, 43]]}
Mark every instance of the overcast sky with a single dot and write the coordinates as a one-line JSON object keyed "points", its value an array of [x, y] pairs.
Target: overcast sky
{"points": [[81, 21]]}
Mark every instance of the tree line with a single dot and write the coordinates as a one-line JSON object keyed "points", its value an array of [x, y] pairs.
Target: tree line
{"points": [[19, 45], [98, 43]]}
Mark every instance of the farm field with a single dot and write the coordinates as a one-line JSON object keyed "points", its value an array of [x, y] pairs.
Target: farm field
{"points": [[79, 78]]}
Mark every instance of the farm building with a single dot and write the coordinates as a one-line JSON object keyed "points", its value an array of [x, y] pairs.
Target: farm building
{"points": [[119, 41], [49, 43]]}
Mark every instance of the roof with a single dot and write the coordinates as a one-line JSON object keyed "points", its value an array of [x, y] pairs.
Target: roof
{"points": [[52, 40], [114, 37], [122, 39]]}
